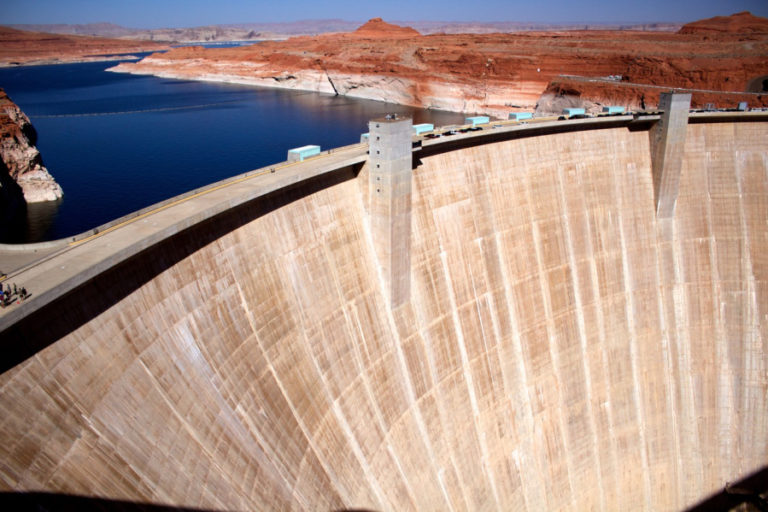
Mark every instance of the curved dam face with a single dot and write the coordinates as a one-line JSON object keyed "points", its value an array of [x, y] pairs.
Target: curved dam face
{"points": [[562, 348]]}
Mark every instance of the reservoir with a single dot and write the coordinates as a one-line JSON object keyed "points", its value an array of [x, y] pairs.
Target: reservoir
{"points": [[117, 143]]}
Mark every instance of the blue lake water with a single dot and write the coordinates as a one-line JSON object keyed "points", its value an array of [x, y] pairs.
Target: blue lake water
{"points": [[117, 143]]}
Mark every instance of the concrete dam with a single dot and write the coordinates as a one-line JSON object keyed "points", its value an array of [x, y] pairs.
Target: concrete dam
{"points": [[566, 315]]}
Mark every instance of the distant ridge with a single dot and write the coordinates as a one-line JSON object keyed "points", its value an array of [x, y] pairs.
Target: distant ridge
{"points": [[376, 27], [260, 31], [225, 32], [740, 23], [23, 47], [87, 29], [460, 27]]}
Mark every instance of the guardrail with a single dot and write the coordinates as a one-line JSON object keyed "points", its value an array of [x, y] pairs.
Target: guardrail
{"points": [[641, 115]]}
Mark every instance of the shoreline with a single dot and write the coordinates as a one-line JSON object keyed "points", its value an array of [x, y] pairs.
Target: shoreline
{"points": [[81, 60], [359, 86]]}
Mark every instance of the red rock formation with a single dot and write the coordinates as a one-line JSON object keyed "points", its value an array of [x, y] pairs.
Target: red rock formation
{"points": [[592, 96], [493, 73], [19, 47], [21, 159], [739, 23], [376, 28]]}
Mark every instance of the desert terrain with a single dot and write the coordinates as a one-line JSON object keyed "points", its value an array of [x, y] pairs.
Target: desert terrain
{"points": [[18, 47], [497, 73], [283, 30]]}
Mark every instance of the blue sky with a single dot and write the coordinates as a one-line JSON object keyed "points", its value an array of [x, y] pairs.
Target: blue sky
{"points": [[186, 13]]}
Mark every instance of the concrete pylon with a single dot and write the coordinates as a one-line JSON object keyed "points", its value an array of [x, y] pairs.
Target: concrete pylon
{"points": [[390, 163], [667, 148]]}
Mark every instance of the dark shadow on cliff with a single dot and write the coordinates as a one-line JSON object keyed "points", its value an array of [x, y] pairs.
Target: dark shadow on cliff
{"points": [[758, 84], [749, 492], [54, 502], [13, 208], [67, 313], [23, 222]]}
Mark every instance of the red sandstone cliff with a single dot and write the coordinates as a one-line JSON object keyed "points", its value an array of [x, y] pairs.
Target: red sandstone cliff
{"points": [[494, 73], [21, 161], [376, 28], [740, 23]]}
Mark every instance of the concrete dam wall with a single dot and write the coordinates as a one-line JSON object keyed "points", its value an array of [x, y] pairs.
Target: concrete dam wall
{"points": [[562, 347]]}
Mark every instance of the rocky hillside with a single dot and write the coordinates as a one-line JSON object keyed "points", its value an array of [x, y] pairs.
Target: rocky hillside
{"points": [[18, 47], [742, 23], [22, 170], [377, 28], [492, 73], [284, 30]]}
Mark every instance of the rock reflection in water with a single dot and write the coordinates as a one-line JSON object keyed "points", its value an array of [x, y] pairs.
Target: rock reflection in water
{"points": [[40, 217]]}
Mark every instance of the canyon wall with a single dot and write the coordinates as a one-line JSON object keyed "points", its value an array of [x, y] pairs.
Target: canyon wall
{"points": [[562, 349], [493, 73], [21, 159]]}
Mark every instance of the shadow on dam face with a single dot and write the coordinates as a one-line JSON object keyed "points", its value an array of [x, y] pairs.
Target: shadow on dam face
{"points": [[53, 502], [748, 494], [562, 348]]}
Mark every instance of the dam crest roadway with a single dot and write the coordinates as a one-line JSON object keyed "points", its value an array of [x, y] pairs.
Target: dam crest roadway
{"points": [[579, 330]]}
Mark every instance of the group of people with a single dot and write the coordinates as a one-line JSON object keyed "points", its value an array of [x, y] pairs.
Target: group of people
{"points": [[10, 293]]}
